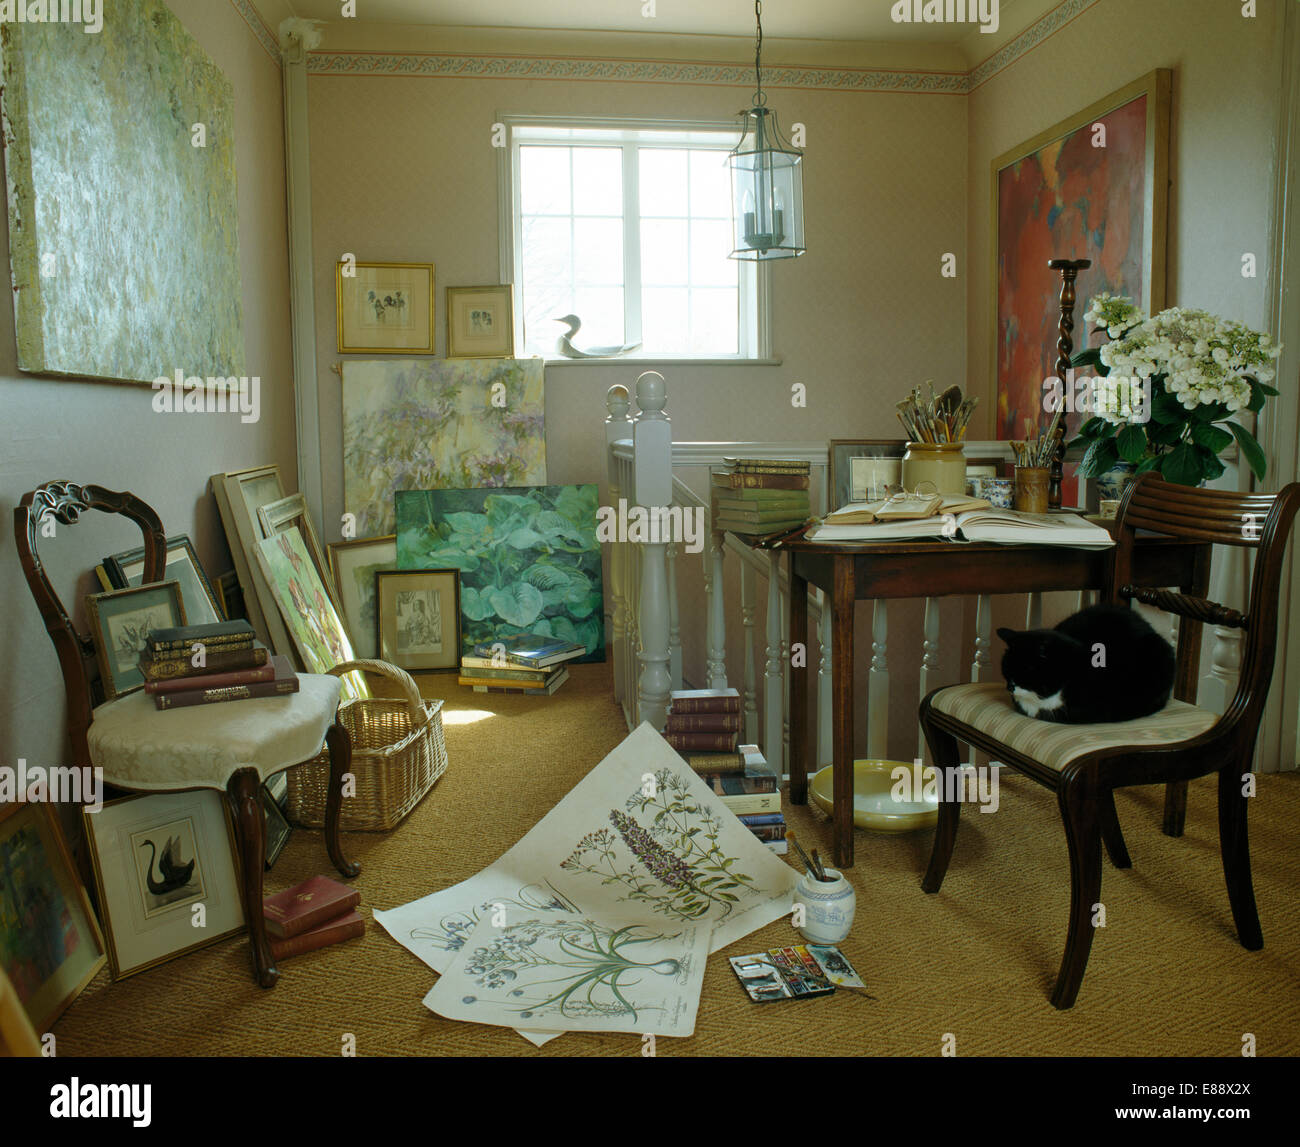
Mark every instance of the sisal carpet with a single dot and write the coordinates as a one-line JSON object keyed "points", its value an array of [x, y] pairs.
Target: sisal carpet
{"points": [[976, 961]]}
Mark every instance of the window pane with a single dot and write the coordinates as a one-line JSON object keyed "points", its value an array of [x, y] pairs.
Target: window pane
{"points": [[710, 185], [598, 252], [665, 320], [710, 246], [663, 252], [543, 305], [663, 181], [601, 312], [544, 179], [598, 181], [715, 323], [548, 258]]}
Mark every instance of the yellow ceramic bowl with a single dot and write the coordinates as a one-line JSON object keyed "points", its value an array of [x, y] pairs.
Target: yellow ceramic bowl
{"points": [[874, 806]]}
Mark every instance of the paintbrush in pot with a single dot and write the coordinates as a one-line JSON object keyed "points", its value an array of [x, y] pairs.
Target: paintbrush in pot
{"points": [[821, 871], [808, 864]]}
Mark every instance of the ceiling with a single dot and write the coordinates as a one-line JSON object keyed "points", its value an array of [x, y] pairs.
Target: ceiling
{"points": [[864, 20]]}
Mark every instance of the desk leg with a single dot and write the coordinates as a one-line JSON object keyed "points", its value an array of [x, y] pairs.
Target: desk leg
{"points": [[798, 688], [843, 600]]}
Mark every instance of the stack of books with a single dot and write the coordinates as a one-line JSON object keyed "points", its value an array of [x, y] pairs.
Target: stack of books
{"points": [[753, 792], [314, 914], [704, 727], [529, 663], [760, 496], [206, 664]]}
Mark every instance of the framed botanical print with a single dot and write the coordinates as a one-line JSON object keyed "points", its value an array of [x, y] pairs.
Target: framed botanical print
{"points": [[419, 618], [50, 943], [480, 322], [861, 468], [201, 605], [290, 512], [158, 859], [1094, 186], [353, 565], [120, 621], [384, 308]]}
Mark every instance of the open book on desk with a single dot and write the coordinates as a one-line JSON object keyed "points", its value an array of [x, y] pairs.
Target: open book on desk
{"points": [[1011, 527]]}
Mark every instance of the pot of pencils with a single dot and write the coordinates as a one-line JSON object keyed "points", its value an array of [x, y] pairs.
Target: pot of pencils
{"points": [[1031, 489]]}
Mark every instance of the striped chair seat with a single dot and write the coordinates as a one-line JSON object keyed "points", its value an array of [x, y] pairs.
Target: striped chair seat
{"points": [[988, 708]]}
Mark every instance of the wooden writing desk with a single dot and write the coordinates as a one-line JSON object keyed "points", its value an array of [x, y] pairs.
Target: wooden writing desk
{"points": [[850, 572]]}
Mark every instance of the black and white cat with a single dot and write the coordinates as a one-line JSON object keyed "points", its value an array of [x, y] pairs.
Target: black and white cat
{"points": [[1104, 663]]}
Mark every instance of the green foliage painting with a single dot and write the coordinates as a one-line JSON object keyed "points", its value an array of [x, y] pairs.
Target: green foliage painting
{"points": [[528, 558]]}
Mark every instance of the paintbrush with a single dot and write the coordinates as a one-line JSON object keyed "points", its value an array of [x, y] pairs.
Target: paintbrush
{"points": [[808, 864], [821, 872]]}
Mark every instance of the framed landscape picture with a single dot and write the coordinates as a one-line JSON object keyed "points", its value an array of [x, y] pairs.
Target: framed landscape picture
{"points": [[480, 322], [353, 565], [120, 621], [528, 559], [419, 618], [50, 944], [156, 858], [1094, 186], [201, 604], [385, 308]]}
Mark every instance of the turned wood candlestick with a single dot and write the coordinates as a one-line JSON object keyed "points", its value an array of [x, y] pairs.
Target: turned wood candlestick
{"points": [[1069, 269]]}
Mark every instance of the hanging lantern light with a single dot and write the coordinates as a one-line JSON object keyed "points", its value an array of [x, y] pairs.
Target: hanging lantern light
{"points": [[766, 179]]}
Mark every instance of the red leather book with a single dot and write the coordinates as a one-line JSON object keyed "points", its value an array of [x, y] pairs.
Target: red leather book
{"points": [[703, 742], [213, 680], [703, 723], [345, 927], [295, 910], [285, 680], [704, 701]]}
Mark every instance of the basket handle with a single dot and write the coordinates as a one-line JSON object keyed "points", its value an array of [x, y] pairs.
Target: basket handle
{"points": [[414, 702]]}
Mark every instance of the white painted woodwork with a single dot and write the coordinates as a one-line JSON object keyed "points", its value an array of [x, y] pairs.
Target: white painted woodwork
{"points": [[825, 724], [653, 483], [1034, 611], [929, 678], [618, 428], [983, 643], [717, 614], [878, 683], [674, 621], [773, 678], [749, 691]]}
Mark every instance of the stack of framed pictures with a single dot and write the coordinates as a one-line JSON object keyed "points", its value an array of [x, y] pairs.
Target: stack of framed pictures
{"points": [[353, 565], [120, 621], [125, 569]]}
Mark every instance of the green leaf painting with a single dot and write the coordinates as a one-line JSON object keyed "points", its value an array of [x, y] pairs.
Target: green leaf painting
{"points": [[438, 424], [528, 558]]}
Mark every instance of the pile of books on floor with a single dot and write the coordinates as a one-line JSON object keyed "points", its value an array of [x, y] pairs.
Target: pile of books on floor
{"points": [[704, 727], [314, 914], [529, 663], [760, 496], [205, 664]]}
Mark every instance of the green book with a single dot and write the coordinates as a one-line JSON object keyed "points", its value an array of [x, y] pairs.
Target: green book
{"points": [[798, 504], [756, 515]]}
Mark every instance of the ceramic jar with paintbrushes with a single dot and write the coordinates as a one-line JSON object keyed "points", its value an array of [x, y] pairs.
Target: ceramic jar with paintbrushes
{"points": [[936, 426], [828, 900]]}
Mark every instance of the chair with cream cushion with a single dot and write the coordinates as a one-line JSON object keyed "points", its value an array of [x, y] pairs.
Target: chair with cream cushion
{"points": [[1084, 764], [231, 747]]}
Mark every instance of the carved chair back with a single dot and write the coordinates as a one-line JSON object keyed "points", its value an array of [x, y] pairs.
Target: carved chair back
{"points": [[64, 503]]}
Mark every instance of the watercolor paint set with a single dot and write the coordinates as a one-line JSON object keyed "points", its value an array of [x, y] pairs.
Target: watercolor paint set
{"points": [[796, 972]]}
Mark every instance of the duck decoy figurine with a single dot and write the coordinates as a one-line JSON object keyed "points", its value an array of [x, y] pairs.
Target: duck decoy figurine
{"points": [[564, 344], [174, 875]]}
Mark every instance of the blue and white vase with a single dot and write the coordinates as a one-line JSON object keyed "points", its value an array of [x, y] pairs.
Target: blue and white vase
{"points": [[828, 905], [1115, 481]]}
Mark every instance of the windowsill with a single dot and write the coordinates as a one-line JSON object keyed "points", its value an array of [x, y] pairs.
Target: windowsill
{"points": [[656, 362]]}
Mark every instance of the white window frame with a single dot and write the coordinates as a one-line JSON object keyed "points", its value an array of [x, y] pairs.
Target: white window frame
{"points": [[755, 311]]}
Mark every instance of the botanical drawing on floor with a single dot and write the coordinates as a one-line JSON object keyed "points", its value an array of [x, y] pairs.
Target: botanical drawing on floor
{"points": [[577, 974], [454, 929]]}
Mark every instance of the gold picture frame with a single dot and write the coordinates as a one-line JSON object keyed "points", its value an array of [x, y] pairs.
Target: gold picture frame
{"points": [[277, 517], [119, 623], [481, 322], [146, 928], [384, 308], [55, 987], [353, 565]]}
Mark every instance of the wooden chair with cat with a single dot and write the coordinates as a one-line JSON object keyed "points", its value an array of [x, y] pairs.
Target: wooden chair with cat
{"points": [[1086, 707]]}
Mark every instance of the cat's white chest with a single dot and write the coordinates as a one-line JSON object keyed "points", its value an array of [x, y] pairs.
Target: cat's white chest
{"points": [[1031, 704]]}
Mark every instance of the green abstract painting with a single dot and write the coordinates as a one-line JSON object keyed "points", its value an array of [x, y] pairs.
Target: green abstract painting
{"points": [[529, 560], [123, 222], [438, 424]]}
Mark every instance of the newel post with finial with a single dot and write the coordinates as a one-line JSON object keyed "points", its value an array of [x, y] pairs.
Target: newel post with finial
{"points": [[618, 428], [652, 439]]}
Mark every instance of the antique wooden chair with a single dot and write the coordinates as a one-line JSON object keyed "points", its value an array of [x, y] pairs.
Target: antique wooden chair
{"points": [[1084, 764], [232, 747]]}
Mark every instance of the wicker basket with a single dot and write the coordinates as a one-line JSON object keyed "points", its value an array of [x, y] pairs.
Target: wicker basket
{"points": [[398, 751]]}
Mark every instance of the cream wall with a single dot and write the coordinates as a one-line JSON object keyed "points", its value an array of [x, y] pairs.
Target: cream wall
{"points": [[94, 432]]}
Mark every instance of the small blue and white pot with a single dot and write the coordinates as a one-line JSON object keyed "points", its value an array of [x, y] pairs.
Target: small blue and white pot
{"points": [[829, 906], [1113, 483]]}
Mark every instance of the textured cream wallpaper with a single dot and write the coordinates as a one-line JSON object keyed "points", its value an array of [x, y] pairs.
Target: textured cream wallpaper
{"points": [[108, 434]]}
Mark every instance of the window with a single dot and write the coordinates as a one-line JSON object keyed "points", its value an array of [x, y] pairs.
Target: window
{"points": [[628, 227]]}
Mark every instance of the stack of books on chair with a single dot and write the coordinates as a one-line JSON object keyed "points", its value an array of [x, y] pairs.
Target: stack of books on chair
{"points": [[205, 664], [314, 914], [704, 727], [529, 663], [760, 496]]}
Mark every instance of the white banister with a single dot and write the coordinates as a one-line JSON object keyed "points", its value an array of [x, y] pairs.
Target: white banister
{"points": [[786, 678], [929, 662], [617, 428], [773, 678], [983, 642], [717, 616], [653, 482], [1034, 611], [878, 682], [674, 621], [825, 722], [749, 693]]}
